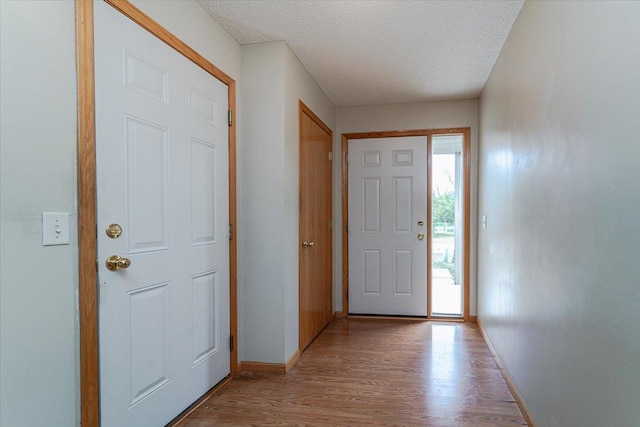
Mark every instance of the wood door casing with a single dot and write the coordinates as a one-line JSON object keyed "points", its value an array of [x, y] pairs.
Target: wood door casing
{"points": [[466, 154], [315, 283]]}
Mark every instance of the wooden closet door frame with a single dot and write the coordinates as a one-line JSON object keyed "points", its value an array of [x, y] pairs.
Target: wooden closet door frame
{"points": [[86, 170], [466, 161], [306, 111]]}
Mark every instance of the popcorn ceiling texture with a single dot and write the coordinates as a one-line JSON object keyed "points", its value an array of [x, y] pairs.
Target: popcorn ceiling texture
{"points": [[380, 52]]}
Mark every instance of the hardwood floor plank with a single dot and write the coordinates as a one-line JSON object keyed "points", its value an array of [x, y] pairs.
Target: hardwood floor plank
{"points": [[370, 372]]}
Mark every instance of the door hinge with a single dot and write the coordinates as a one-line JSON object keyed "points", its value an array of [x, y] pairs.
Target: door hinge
{"points": [[230, 117], [330, 155], [330, 224], [230, 231], [230, 342]]}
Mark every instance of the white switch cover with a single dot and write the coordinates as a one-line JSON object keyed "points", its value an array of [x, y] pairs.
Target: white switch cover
{"points": [[55, 228], [484, 221]]}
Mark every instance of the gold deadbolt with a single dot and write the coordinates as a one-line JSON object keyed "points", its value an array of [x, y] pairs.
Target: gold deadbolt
{"points": [[116, 262], [420, 236], [114, 231], [420, 223], [306, 244]]}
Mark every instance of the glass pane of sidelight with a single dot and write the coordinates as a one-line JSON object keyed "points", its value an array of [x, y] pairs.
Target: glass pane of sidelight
{"points": [[446, 225]]}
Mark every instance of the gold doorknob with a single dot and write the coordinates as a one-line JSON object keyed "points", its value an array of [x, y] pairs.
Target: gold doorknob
{"points": [[116, 262], [114, 231], [420, 236], [306, 244]]}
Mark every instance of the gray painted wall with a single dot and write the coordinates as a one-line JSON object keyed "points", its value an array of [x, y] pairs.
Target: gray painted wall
{"points": [[38, 327], [263, 206], [559, 277]]}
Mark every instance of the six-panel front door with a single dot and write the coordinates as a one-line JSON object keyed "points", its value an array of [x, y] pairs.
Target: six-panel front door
{"points": [[162, 176], [387, 183]]}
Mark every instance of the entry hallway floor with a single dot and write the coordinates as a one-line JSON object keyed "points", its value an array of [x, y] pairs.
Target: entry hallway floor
{"points": [[373, 372]]}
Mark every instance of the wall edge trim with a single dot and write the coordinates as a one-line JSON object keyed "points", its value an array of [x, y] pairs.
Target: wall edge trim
{"points": [[526, 414]]}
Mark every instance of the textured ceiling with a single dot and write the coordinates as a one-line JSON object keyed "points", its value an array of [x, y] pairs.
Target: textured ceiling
{"points": [[380, 52]]}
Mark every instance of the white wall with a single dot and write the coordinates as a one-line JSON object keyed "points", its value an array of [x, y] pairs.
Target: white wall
{"points": [[428, 115], [39, 367], [38, 334], [262, 235], [274, 82], [559, 290]]}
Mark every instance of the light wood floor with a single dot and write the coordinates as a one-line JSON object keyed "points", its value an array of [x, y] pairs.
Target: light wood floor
{"points": [[362, 372]]}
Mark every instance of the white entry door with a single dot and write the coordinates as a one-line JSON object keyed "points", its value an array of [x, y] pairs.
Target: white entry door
{"points": [[388, 226], [162, 176]]}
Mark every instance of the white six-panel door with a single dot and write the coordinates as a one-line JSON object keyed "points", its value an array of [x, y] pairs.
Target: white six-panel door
{"points": [[162, 175], [387, 182]]}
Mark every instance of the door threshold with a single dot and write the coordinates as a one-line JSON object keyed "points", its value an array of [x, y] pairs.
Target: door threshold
{"points": [[458, 319], [386, 317], [442, 318]]}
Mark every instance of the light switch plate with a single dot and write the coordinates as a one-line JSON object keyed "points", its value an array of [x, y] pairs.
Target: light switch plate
{"points": [[55, 228]]}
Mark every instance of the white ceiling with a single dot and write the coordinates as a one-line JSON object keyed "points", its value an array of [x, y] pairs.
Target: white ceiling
{"points": [[380, 52]]}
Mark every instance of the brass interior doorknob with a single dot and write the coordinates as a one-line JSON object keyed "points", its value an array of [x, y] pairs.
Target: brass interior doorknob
{"points": [[420, 236], [114, 231], [116, 262], [306, 244]]}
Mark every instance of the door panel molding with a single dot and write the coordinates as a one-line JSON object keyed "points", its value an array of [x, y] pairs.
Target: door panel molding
{"points": [[387, 195], [86, 175], [466, 160]]}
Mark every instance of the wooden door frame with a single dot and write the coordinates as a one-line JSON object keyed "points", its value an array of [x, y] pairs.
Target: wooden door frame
{"points": [[466, 161], [304, 110], [86, 170]]}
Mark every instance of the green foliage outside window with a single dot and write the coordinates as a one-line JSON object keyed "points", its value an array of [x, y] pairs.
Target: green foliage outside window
{"points": [[444, 208]]}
